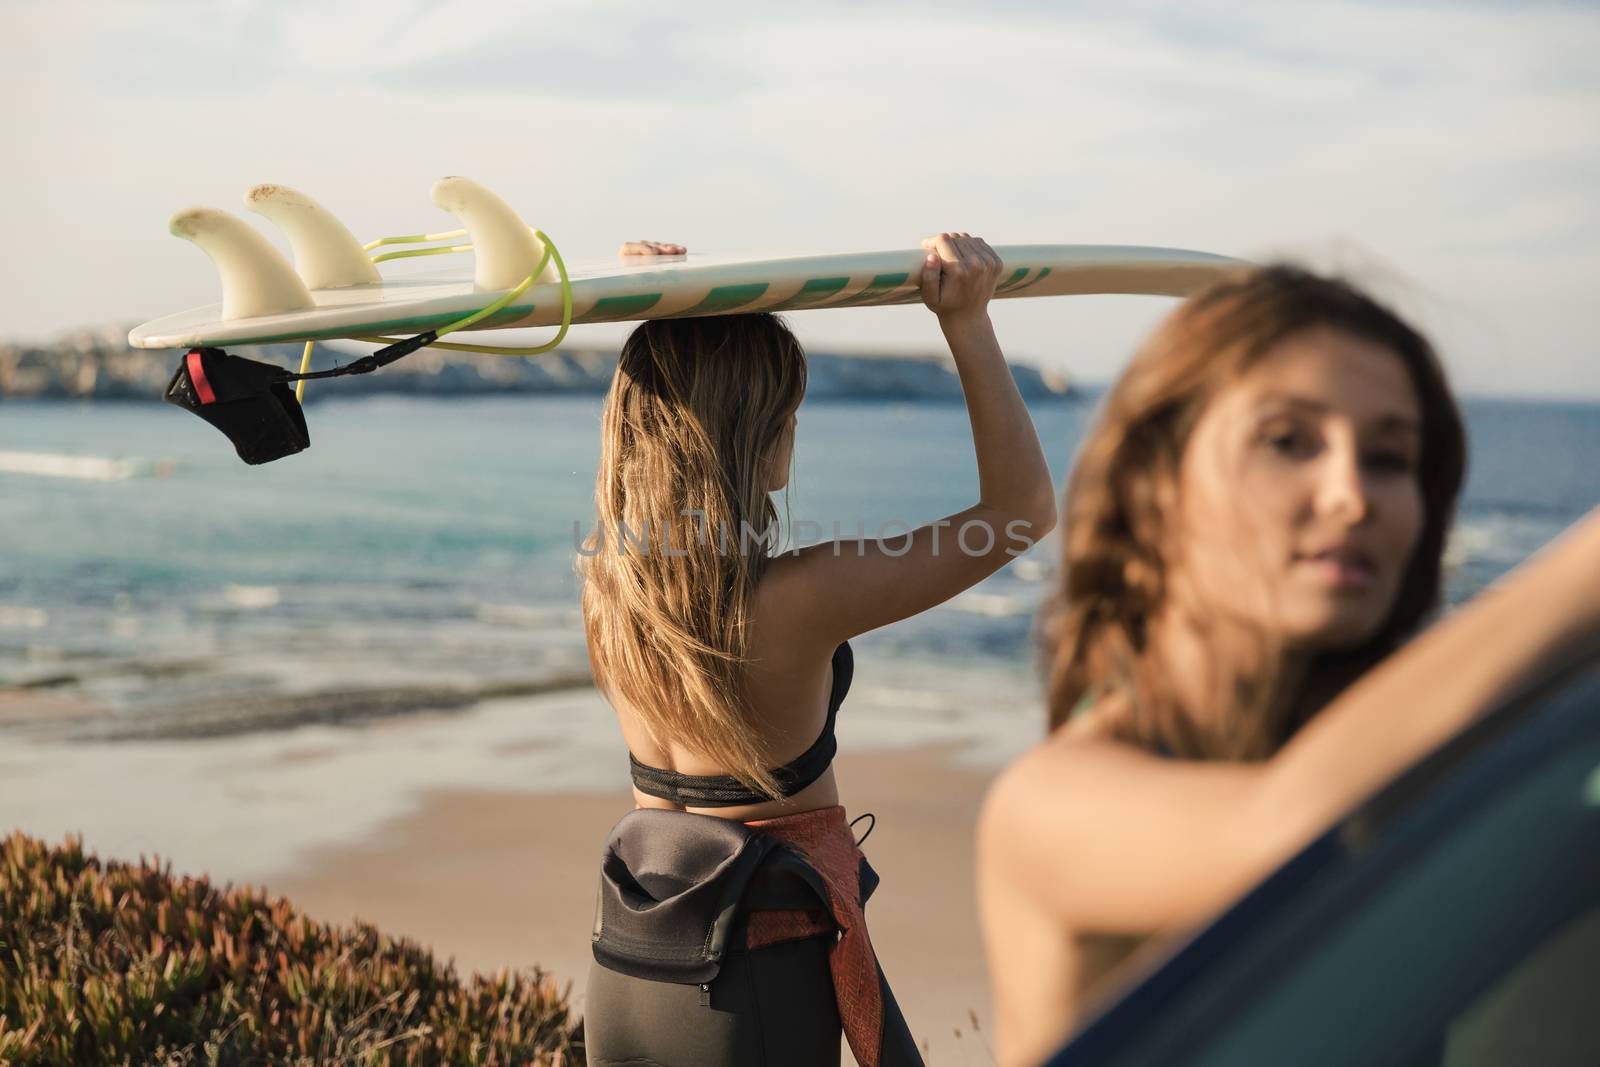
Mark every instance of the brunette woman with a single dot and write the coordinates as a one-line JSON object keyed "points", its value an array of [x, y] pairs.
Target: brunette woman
{"points": [[1251, 531]]}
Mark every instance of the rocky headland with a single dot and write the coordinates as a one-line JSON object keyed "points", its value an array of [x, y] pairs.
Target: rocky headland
{"points": [[98, 364]]}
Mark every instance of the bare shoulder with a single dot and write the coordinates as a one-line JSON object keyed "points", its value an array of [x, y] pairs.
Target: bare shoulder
{"points": [[782, 577], [1058, 791], [796, 575], [1053, 769], [790, 607], [1026, 798]]}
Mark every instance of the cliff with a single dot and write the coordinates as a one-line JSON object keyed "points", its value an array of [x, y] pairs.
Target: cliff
{"points": [[98, 364]]}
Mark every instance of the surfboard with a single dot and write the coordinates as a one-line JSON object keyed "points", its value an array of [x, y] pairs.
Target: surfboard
{"points": [[615, 290], [334, 290]]}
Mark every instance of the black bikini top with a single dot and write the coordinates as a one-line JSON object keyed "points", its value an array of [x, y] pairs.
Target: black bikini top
{"points": [[726, 791]]}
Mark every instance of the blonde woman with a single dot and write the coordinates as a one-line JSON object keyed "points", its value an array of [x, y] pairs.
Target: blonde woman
{"points": [[729, 928], [1252, 529]]}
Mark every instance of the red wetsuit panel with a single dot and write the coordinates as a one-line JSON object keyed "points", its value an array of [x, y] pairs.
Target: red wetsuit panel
{"points": [[825, 840]]}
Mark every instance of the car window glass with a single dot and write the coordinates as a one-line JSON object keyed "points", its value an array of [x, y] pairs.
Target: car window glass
{"points": [[1545, 1011], [1480, 911]]}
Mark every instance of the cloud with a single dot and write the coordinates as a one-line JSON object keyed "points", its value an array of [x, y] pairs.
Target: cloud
{"points": [[648, 57], [1455, 145]]}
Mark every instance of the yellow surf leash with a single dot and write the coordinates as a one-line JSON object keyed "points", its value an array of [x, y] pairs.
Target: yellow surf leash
{"points": [[550, 252]]}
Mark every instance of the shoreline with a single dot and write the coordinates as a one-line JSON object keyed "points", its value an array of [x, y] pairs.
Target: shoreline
{"points": [[86, 720]]}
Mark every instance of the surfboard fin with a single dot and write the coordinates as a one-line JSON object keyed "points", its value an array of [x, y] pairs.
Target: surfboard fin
{"points": [[256, 279], [503, 247], [326, 254]]}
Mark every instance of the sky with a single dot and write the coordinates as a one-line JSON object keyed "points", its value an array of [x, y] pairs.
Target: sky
{"points": [[1446, 155]]}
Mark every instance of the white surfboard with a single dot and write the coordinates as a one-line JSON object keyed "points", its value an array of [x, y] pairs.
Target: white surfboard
{"points": [[616, 290], [334, 290]]}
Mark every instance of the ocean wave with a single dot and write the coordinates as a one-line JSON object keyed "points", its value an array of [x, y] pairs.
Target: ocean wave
{"points": [[1501, 538], [1033, 570], [532, 616], [83, 468], [1528, 509], [252, 597], [22, 617], [993, 605]]}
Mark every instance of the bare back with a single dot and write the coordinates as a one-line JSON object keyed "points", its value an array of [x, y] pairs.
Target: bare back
{"points": [[789, 681], [811, 599]]}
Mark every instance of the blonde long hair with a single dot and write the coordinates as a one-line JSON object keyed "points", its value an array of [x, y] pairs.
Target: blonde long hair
{"points": [[1115, 537], [694, 420]]}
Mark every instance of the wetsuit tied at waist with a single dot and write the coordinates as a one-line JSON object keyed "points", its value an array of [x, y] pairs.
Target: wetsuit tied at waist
{"points": [[678, 889]]}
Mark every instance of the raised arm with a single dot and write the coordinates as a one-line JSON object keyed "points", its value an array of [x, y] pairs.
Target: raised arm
{"points": [[825, 593], [1092, 836]]}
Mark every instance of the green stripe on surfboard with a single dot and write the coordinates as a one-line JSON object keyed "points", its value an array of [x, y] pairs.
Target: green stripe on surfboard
{"points": [[812, 292], [880, 286], [611, 308], [818, 289], [726, 298], [1016, 277], [1044, 272]]}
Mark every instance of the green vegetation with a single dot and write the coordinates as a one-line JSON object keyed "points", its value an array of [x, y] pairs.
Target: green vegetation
{"points": [[113, 963]]}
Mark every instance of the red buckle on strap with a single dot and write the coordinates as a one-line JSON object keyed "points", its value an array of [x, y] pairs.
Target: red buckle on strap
{"points": [[197, 374]]}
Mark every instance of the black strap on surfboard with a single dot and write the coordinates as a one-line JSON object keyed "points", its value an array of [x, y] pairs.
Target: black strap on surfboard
{"points": [[251, 402]]}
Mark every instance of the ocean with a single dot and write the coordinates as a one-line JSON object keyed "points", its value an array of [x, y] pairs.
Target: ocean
{"points": [[423, 550]]}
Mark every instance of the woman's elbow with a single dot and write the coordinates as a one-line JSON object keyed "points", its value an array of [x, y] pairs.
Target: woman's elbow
{"points": [[1045, 520], [1034, 521], [1003, 532]]}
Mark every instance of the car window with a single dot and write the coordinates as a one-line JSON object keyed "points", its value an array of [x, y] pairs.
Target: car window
{"points": [[1545, 1011], [1440, 932], [1460, 929]]}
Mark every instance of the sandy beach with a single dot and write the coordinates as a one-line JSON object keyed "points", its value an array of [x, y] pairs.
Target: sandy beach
{"points": [[502, 879], [477, 833]]}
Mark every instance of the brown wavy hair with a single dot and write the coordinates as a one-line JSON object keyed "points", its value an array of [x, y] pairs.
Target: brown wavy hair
{"points": [[694, 420], [1095, 628]]}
